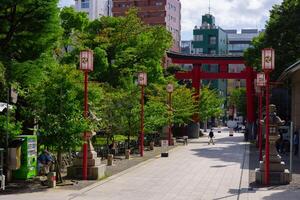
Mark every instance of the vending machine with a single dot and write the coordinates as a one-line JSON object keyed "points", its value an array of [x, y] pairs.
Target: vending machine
{"points": [[28, 168]]}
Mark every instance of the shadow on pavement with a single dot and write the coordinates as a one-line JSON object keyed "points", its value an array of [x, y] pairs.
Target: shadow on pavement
{"points": [[230, 153]]}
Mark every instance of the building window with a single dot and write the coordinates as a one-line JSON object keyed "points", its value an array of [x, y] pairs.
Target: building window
{"points": [[198, 37], [85, 4], [212, 51], [212, 40], [158, 3]]}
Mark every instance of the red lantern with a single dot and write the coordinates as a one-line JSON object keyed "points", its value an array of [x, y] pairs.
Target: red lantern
{"points": [[261, 80], [86, 60], [268, 59], [142, 78], [170, 88]]}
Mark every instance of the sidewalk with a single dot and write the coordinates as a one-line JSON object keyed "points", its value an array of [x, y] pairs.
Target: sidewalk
{"points": [[195, 172], [120, 164]]}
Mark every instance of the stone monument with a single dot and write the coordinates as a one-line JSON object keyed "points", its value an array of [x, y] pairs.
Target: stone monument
{"points": [[96, 170], [278, 173]]}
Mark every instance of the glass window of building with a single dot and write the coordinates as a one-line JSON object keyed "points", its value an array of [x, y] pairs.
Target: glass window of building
{"points": [[198, 37], [85, 4], [158, 3], [212, 40], [212, 51]]}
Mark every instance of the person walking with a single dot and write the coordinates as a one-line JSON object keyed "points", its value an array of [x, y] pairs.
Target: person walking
{"points": [[211, 136]]}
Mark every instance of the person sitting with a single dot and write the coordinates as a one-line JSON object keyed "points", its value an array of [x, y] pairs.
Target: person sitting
{"points": [[45, 161]]}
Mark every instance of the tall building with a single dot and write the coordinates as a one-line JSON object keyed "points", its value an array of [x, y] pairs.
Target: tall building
{"points": [[155, 12], [94, 8], [209, 38], [239, 42], [186, 46]]}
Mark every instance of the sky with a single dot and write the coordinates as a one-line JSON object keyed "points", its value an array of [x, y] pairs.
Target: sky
{"points": [[229, 14]]}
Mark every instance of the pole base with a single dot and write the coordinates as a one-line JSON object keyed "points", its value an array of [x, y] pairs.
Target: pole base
{"points": [[164, 154]]}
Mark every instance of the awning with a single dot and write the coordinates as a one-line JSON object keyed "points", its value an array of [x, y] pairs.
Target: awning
{"points": [[289, 71]]}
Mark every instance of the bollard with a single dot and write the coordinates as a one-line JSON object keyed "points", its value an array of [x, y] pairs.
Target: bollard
{"points": [[110, 159], [127, 154], [51, 179]]}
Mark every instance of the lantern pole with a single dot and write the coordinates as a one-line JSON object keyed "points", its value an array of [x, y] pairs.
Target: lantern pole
{"points": [[85, 151], [260, 93], [142, 81], [261, 82], [86, 64], [142, 122], [268, 63], [170, 89], [170, 126]]}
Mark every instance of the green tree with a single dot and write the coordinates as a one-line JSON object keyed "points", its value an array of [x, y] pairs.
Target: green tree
{"points": [[238, 100], [57, 104], [28, 28], [157, 110], [283, 34], [210, 104], [125, 46]]}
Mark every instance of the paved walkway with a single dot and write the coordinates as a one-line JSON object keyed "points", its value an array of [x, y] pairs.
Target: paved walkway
{"points": [[195, 172]]}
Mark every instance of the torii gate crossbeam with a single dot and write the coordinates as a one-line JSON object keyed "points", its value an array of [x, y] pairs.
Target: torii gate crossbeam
{"points": [[196, 75]]}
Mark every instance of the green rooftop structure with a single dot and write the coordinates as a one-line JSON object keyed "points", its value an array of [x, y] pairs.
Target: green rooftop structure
{"points": [[210, 39]]}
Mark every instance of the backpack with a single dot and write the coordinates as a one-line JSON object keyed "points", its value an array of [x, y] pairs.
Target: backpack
{"points": [[211, 134]]}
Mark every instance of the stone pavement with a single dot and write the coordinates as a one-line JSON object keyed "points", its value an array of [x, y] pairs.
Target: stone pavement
{"points": [[195, 172]]}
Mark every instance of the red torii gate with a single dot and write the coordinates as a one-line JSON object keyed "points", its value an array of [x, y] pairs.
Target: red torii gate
{"points": [[223, 61]]}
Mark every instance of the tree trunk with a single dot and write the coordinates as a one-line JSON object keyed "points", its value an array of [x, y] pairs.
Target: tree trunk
{"points": [[58, 166], [205, 125]]}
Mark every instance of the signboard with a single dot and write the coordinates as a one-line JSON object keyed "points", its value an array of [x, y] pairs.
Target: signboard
{"points": [[86, 60], [268, 59], [261, 80], [170, 88], [142, 78]]}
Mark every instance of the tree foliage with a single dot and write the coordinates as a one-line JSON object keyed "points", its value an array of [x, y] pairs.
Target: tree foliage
{"points": [[210, 104], [28, 28], [57, 105], [157, 111], [282, 33], [238, 100]]}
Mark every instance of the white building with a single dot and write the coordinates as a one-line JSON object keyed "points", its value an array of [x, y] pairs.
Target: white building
{"points": [[239, 42], [94, 8]]}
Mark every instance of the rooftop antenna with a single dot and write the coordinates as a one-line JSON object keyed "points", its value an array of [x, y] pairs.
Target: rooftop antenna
{"points": [[209, 8]]}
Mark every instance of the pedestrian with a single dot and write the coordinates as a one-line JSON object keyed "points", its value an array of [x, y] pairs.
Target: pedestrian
{"points": [[296, 143], [211, 136], [45, 161]]}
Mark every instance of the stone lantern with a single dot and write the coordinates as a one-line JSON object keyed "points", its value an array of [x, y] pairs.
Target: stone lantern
{"points": [[278, 173]]}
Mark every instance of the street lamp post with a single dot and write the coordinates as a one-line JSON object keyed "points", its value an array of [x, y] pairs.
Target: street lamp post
{"points": [[86, 65], [170, 89], [268, 62], [261, 82], [142, 81]]}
